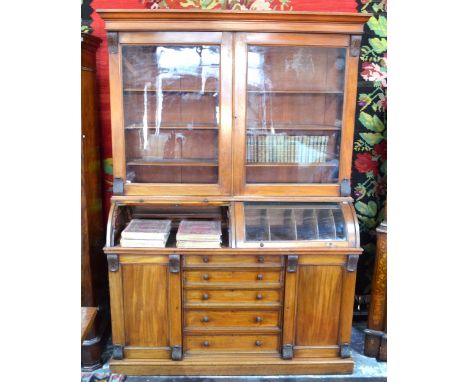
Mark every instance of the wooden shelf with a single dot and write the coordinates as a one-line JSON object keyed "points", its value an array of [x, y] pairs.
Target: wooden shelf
{"points": [[293, 127], [173, 162], [280, 164], [152, 90], [338, 92], [176, 127]]}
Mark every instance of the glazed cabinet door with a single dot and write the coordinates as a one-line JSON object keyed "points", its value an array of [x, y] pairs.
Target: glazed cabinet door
{"points": [[145, 296], [171, 112], [294, 113], [318, 306]]}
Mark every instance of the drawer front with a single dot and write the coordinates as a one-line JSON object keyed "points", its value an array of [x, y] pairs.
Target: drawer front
{"points": [[230, 296], [232, 343], [232, 260], [208, 276], [230, 318]]}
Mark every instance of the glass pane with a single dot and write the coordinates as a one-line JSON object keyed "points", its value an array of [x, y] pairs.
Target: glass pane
{"points": [[294, 114], [171, 113], [294, 221]]}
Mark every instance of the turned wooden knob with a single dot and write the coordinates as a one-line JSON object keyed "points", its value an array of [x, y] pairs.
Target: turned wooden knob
{"points": [[205, 319], [258, 319], [259, 296], [206, 277], [259, 277], [206, 259], [205, 296], [206, 344], [261, 259], [258, 343]]}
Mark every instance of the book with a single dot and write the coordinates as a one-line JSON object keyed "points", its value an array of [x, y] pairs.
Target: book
{"points": [[199, 230], [151, 229], [144, 243], [198, 244]]}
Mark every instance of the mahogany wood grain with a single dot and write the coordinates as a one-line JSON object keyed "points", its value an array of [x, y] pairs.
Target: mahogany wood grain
{"points": [[131, 352], [232, 343], [257, 297], [318, 305], [230, 318], [117, 307], [175, 309], [349, 108], [347, 303], [210, 261], [290, 308], [145, 298], [232, 276], [238, 365]]}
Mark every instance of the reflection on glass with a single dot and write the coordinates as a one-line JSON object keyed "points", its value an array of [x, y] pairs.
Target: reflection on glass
{"points": [[294, 221], [171, 113], [294, 114]]}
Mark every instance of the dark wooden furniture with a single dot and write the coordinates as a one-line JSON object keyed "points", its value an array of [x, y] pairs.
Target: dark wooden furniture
{"points": [[93, 266], [376, 333], [88, 314], [246, 118]]}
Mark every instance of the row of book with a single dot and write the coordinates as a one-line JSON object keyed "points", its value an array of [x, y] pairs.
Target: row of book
{"points": [[281, 148], [154, 233]]}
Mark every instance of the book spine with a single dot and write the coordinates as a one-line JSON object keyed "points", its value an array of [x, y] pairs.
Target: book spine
{"points": [[325, 148]]}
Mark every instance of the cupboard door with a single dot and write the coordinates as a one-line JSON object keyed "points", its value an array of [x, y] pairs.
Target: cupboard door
{"points": [[318, 306], [174, 128], [146, 307], [292, 124]]}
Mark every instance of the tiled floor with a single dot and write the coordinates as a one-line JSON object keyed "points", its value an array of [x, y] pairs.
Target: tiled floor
{"points": [[366, 370]]}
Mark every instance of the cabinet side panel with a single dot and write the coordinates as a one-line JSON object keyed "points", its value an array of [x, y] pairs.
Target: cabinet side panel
{"points": [[318, 305], [145, 297]]}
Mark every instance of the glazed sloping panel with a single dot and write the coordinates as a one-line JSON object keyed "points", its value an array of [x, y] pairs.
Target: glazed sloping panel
{"points": [[318, 305], [145, 299]]}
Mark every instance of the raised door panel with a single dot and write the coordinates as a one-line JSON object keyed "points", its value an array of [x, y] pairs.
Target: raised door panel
{"points": [[145, 299], [318, 305], [146, 306]]}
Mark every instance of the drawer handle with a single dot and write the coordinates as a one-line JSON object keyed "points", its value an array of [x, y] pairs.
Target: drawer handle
{"points": [[261, 259], [259, 296], [206, 277], [206, 344], [258, 319], [205, 319], [206, 259], [258, 343], [205, 296], [259, 277]]}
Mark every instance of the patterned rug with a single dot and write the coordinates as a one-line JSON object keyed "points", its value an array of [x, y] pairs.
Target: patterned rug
{"points": [[101, 376]]}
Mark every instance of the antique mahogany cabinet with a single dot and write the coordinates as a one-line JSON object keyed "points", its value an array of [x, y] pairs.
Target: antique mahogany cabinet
{"points": [[246, 118]]}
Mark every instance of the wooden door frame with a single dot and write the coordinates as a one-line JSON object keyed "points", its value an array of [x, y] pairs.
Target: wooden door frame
{"points": [[224, 40], [242, 40]]}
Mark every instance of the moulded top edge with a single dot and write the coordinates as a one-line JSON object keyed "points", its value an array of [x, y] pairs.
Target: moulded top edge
{"points": [[200, 14], [134, 199]]}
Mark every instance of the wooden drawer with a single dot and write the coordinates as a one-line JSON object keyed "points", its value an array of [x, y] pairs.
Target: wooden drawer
{"points": [[221, 276], [230, 318], [232, 343], [232, 260], [232, 296]]}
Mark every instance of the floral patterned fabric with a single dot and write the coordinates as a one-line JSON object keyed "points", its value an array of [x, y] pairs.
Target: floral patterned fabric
{"points": [[370, 150], [369, 177]]}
